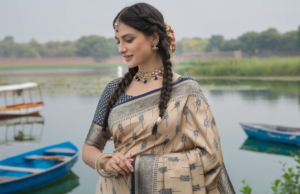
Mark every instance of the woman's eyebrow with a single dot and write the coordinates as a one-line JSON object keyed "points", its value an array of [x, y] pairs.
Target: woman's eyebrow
{"points": [[125, 35]]}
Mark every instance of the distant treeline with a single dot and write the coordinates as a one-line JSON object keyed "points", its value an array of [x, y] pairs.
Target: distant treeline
{"points": [[101, 47]]}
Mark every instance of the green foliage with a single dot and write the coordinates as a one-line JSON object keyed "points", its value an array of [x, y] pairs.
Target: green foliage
{"points": [[215, 43], [192, 45], [246, 189], [94, 46], [100, 47], [289, 182], [273, 66], [298, 38]]}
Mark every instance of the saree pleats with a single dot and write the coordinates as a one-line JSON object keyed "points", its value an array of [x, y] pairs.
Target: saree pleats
{"points": [[185, 155]]}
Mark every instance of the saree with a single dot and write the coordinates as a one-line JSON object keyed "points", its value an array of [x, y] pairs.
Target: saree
{"points": [[185, 154]]}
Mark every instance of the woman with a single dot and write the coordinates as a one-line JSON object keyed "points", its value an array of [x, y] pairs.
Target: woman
{"points": [[165, 136]]}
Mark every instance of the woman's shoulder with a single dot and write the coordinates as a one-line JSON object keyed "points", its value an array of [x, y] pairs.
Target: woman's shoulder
{"points": [[112, 85], [190, 85]]}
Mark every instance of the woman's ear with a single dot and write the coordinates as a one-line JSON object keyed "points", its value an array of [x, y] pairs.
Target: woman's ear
{"points": [[155, 37]]}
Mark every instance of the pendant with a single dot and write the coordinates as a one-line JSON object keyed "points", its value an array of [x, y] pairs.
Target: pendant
{"points": [[155, 78], [145, 81]]}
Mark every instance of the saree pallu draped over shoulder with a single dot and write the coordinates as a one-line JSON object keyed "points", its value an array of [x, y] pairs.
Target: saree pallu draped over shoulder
{"points": [[183, 157]]}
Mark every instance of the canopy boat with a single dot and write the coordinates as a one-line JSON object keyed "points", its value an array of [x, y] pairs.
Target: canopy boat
{"points": [[21, 108], [35, 168], [290, 135], [24, 128]]}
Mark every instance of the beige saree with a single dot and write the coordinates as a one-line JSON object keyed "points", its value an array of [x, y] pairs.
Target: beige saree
{"points": [[184, 157]]}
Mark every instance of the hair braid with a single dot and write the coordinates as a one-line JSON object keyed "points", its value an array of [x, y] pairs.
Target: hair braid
{"points": [[114, 97], [166, 90]]}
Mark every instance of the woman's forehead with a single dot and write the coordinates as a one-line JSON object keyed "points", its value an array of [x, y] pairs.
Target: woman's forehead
{"points": [[124, 29]]}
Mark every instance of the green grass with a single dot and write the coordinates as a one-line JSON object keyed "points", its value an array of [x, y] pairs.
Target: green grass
{"points": [[274, 66]]}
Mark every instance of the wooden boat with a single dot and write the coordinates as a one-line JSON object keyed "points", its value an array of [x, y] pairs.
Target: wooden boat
{"points": [[35, 168], [23, 108], [290, 135]]}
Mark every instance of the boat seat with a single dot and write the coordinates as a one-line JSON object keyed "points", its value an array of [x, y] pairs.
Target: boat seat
{"points": [[6, 178], [60, 151], [55, 158], [21, 169]]}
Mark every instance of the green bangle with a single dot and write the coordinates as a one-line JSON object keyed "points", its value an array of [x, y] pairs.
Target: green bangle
{"points": [[101, 172]]}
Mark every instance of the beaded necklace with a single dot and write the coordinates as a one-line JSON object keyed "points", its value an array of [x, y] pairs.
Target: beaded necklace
{"points": [[147, 75]]}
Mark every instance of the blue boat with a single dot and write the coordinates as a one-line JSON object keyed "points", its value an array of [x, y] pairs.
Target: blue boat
{"points": [[290, 135], [37, 167]]}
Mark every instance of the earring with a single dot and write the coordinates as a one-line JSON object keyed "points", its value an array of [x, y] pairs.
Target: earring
{"points": [[154, 45]]}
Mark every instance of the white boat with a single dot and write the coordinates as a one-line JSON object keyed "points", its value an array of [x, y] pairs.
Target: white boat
{"points": [[22, 108]]}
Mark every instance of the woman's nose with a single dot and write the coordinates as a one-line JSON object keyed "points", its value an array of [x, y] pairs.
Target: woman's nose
{"points": [[122, 49]]}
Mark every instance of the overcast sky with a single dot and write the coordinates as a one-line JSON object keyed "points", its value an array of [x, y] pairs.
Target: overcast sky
{"points": [[47, 20]]}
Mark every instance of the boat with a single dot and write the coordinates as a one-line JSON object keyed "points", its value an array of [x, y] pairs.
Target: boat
{"points": [[18, 109], [290, 135], [21, 128], [36, 168], [269, 147]]}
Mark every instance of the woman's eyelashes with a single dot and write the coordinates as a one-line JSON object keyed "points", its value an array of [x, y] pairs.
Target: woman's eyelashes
{"points": [[128, 41]]}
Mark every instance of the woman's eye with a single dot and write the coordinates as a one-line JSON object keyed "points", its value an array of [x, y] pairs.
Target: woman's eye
{"points": [[128, 41]]}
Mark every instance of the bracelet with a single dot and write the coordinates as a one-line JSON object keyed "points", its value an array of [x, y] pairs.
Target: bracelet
{"points": [[101, 172]]}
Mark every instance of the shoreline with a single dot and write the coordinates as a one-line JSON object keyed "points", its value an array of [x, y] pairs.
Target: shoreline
{"points": [[262, 78]]}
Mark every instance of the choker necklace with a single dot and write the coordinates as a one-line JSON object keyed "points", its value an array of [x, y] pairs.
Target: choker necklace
{"points": [[147, 76]]}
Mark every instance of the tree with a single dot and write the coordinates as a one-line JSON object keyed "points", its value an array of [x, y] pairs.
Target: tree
{"points": [[249, 42], [192, 45], [9, 38], [298, 41], [215, 43], [288, 41], [94, 46], [269, 40], [230, 45]]}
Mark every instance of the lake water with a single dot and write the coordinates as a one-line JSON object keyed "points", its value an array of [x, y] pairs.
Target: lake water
{"points": [[70, 103]]}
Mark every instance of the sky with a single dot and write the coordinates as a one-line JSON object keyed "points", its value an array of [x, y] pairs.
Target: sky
{"points": [[61, 20]]}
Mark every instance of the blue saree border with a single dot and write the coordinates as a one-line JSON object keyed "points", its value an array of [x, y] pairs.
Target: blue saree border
{"points": [[130, 98], [133, 178]]}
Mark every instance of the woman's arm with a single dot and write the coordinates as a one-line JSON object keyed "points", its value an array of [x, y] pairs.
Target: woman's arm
{"points": [[90, 154]]}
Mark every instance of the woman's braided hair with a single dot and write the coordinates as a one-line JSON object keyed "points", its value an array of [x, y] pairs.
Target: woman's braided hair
{"points": [[147, 19]]}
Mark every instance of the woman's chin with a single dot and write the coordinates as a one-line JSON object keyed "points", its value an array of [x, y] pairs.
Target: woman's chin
{"points": [[131, 65]]}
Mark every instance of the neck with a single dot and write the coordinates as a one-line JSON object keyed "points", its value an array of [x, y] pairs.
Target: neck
{"points": [[154, 62]]}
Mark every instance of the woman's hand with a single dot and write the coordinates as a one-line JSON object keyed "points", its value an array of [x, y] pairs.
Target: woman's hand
{"points": [[125, 168]]}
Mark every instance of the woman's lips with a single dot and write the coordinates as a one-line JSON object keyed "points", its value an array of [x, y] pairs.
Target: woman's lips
{"points": [[127, 58]]}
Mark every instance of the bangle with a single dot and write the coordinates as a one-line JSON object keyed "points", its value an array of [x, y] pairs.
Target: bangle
{"points": [[101, 172]]}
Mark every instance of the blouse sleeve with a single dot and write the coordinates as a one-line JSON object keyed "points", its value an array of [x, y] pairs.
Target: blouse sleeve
{"points": [[202, 130], [93, 138]]}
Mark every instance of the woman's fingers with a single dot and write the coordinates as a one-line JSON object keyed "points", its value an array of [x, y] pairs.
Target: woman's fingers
{"points": [[124, 167], [126, 161], [128, 164], [119, 170]]}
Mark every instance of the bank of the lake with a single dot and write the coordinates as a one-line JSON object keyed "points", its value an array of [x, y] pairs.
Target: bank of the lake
{"points": [[273, 66]]}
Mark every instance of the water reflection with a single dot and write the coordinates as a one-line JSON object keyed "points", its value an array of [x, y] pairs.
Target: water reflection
{"points": [[257, 145], [62, 185], [251, 89], [22, 128]]}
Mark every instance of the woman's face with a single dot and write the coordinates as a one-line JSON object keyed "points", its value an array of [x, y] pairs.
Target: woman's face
{"points": [[135, 47]]}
